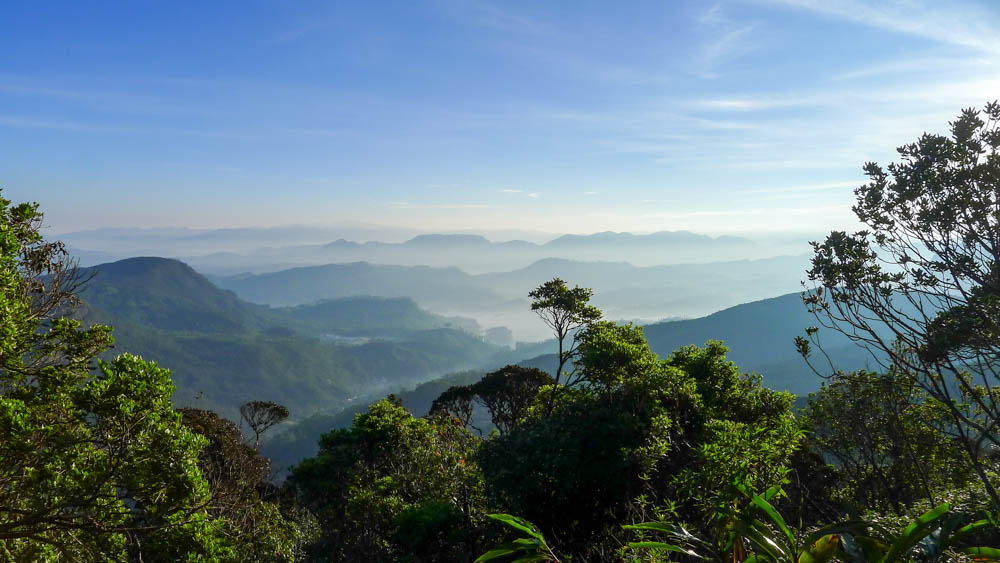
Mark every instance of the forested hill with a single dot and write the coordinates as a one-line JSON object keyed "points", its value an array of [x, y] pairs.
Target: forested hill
{"points": [[168, 294], [224, 351], [760, 336]]}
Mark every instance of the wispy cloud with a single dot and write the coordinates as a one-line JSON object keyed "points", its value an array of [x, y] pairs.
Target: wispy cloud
{"points": [[407, 205], [764, 102], [497, 16], [725, 39], [923, 65], [966, 26], [533, 195], [806, 188], [97, 98], [34, 123]]}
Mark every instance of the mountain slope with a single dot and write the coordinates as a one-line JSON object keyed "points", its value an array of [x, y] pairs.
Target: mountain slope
{"points": [[224, 351], [760, 336], [167, 294]]}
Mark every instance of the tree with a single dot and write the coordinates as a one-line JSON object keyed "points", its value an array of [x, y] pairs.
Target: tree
{"points": [[883, 434], [261, 416], [506, 393], [391, 487], [564, 310], [260, 521], [94, 462], [920, 287], [638, 433]]}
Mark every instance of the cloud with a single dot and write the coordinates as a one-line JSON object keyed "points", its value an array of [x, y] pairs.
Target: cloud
{"points": [[514, 191], [33, 123], [806, 188], [748, 212], [726, 40], [920, 64], [406, 205], [493, 16], [751, 103], [965, 26]]}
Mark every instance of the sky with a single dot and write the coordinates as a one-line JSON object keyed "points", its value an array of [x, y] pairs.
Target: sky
{"points": [[734, 116]]}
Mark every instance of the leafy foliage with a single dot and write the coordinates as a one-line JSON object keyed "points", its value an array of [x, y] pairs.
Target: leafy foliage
{"points": [[532, 548], [92, 466], [507, 394], [887, 439], [387, 470], [919, 287]]}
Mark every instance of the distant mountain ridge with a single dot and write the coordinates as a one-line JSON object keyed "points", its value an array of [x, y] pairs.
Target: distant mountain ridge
{"points": [[621, 289], [440, 288], [230, 251]]}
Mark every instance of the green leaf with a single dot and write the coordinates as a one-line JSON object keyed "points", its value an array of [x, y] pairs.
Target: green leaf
{"points": [[853, 527], [760, 536], [759, 502], [500, 551], [520, 524], [987, 554], [821, 551], [665, 547], [915, 532], [968, 529], [654, 526]]}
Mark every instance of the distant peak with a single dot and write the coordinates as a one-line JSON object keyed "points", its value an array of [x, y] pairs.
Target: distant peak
{"points": [[448, 239], [341, 243]]}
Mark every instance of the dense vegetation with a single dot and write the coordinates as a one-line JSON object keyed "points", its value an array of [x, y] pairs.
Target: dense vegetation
{"points": [[617, 454]]}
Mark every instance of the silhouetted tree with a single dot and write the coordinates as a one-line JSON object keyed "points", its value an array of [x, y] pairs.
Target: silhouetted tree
{"points": [[564, 310], [920, 287], [262, 415]]}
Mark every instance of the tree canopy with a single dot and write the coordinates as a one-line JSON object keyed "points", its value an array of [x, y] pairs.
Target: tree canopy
{"points": [[920, 287]]}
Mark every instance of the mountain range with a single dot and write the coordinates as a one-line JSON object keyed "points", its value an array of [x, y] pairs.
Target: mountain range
{"points": [[224, 351], [343, 349], [232, 251], [622, 290]]}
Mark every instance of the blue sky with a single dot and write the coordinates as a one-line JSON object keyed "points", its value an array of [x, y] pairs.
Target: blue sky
{"points": [[733, 116]]}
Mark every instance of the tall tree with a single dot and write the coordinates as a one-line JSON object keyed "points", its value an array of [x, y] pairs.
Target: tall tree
{"points": [[920, 287], [565, 310]]}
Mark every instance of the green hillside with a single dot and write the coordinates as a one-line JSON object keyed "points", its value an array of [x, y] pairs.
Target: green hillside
{"points": [[224, 351], [760, 337], [169, 295]]}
